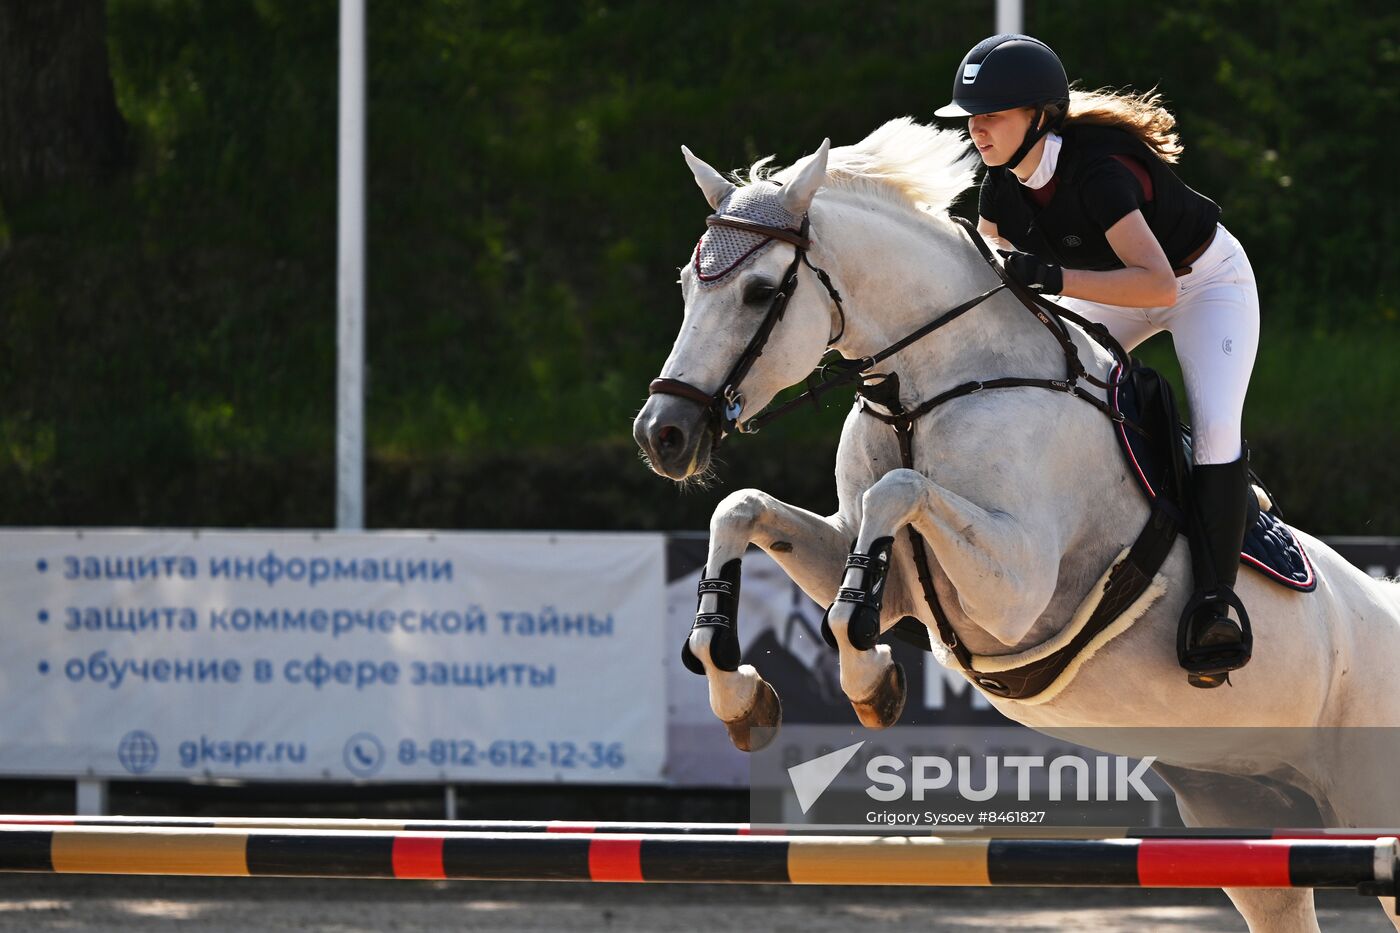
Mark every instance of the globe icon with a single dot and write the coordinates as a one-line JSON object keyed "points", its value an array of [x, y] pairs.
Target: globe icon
{"points": [[137, 751]]}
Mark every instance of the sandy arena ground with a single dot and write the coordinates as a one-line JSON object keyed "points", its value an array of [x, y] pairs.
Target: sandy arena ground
{"points": [[33, 903]]}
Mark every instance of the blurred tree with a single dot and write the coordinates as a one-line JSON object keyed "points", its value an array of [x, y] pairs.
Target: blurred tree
{"points": [[167, 341], [58, 114]]}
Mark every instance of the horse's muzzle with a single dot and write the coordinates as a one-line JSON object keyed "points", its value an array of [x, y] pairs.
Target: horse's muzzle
{"points": [[675, 435]]}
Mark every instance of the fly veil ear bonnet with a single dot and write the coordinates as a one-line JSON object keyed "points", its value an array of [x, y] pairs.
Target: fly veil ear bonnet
{"points": [[724, 249]]}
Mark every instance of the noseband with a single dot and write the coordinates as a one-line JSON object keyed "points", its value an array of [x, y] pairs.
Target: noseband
{"points": [[724, 407]]}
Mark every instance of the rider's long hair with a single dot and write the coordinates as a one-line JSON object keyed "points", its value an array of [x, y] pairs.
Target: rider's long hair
{"points": [[1141, 114]]}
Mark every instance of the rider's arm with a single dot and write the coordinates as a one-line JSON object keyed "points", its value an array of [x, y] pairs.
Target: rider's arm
{"points": [[991, 235], [1113, 196], [986, 208], [1146, 279]]}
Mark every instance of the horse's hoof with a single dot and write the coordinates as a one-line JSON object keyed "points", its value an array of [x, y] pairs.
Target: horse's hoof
{"points": [[766, 716], [886, 704]]}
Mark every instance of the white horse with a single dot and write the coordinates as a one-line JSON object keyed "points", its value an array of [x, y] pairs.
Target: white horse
{"points": [[1023, 501]]}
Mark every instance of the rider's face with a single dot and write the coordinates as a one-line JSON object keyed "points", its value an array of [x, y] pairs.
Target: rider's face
{"points": [[998, 135]]}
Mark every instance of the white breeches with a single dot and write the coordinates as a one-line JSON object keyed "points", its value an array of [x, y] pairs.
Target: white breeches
{"points": [[1215, 329]]}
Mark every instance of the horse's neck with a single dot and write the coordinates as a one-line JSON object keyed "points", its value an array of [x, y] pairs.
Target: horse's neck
{"points": [[899, 272]]}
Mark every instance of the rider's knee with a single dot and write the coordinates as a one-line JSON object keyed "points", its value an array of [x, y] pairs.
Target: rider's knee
{"points": [[1216, 440]]}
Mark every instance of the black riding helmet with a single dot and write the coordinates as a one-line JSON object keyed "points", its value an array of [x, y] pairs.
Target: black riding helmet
{"points": [[1009, 71]]}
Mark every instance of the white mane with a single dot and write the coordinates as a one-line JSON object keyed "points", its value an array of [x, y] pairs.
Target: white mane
{"points": [[919, 166]]}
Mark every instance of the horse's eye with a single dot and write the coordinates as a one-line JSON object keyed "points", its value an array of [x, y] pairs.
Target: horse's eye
{"points": [[758, 293]]}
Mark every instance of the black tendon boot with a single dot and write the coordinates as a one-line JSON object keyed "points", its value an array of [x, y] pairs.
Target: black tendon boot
{"points": [[1210, 644]]}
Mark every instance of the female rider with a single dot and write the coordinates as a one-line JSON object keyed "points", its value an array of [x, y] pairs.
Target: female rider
{"points": [[1079, 193]]}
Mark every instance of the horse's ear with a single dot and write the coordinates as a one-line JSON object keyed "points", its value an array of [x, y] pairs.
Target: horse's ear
{"points": [[715, 185], [798, 193]]}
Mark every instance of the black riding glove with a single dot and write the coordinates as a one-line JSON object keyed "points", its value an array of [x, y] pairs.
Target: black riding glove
{"points": [[1033, 272]]}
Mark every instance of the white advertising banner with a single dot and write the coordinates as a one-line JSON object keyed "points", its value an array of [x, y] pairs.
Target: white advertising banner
{"points": [[376, 656]]}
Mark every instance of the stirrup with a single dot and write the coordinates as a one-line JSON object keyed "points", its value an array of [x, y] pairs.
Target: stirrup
{"points": [[1210, 665]]}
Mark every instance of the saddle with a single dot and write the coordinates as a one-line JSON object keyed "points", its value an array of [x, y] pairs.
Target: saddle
{"points": [[1157, 448]]}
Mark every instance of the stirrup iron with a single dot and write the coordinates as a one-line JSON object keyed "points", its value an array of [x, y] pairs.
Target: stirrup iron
{"points": [[1210, 665]]}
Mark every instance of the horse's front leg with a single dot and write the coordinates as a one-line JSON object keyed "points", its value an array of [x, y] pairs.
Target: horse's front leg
{"points": [[808, 547], [1003, 572]]}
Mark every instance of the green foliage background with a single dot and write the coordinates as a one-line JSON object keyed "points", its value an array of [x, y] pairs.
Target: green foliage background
{"points": [[168, 346]]}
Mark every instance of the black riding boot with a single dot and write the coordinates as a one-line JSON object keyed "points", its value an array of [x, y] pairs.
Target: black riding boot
{"points": [[1209, 643]]}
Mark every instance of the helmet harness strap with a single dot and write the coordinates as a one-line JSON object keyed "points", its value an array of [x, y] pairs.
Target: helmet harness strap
{"points": [[1049, 115]]}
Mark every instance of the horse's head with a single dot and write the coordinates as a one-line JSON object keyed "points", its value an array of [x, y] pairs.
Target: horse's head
{"points": [[747, 333]]}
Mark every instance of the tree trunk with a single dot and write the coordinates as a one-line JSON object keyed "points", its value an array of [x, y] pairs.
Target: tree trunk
{"points": [[58, 113]]}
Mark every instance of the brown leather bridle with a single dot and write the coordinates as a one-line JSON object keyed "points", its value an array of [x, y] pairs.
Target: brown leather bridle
{"points": [[724, 406]]}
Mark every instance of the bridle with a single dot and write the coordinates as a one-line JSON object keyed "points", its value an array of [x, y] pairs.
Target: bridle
{"points": [[724, 407], [727, 403]]}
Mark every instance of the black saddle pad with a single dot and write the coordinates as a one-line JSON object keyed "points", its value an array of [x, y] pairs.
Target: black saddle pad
{"points": [[1269, 545]]}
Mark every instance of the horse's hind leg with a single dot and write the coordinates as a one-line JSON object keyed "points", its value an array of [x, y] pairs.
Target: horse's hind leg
{"points": [[1223, 801], [810, 550], [1276, 910], [1364, 793]]}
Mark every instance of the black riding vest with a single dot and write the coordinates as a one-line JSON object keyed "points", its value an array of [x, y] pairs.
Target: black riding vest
{"points": [[1063, 232]]}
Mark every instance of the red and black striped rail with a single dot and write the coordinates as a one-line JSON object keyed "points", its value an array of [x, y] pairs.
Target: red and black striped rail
{"points": [[683, 829], [868, 860]]}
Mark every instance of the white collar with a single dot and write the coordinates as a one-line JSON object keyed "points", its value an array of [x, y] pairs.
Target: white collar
{"points": [[1049, 158]]}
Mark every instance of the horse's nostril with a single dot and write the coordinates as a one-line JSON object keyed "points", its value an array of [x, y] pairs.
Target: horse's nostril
{"points": [[669, 439]]}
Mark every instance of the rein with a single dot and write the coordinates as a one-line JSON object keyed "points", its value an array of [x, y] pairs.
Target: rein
{"points": [[726, 404]]}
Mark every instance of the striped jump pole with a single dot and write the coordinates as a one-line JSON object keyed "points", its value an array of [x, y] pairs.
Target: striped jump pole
{"points": [[401, 826], [1367, 866], [682, 829]]}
